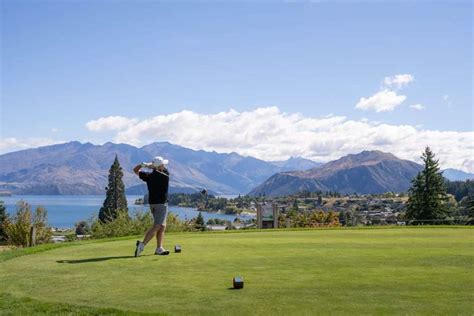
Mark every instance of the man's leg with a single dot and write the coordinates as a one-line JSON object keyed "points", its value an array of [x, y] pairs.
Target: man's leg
{"points": [[154, 230], [160, 236], [140, 245], [160, 219]]}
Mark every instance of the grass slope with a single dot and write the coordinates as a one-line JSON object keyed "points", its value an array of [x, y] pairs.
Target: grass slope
{"points": [[397, 271]]}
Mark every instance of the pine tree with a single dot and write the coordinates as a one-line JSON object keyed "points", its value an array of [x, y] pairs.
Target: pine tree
{"points": [[115, 199], [320, 199], [295, 205], [427, 196], [200, 222], [470, 209], [3, 222]]}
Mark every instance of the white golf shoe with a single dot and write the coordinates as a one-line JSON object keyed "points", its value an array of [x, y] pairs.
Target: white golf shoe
{"points": [[139, 249], [161, 251]]}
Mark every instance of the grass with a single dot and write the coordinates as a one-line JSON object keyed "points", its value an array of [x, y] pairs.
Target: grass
{"points": [[10, 305], [359, 271]]}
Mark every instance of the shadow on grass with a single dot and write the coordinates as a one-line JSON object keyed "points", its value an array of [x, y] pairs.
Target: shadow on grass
{"points": [[97, 259]]}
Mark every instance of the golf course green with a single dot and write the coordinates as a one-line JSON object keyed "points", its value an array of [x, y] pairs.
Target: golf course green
{"points": [[426, 270]]}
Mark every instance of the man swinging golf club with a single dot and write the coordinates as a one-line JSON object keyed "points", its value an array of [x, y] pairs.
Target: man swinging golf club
{"points": [[157, 182]]}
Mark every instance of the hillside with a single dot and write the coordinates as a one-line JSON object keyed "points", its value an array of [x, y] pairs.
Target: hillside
{"points": [[457, 175], [363, 173]]}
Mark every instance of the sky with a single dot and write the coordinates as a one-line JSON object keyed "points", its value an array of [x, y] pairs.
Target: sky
{"points": [[267, 79]]}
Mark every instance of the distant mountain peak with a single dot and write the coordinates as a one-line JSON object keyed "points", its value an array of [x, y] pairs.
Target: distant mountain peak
{"points": [[370, 171], [457, 175], [371, 155], [366, 157]]}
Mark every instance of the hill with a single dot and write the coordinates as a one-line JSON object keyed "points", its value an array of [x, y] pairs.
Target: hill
{"points": [[457, 175], [312, 272], [76, 168], [297, 163], [363, 173]]}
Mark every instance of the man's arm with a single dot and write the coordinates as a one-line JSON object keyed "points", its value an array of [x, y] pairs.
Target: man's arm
{"points": [[137, 169]]}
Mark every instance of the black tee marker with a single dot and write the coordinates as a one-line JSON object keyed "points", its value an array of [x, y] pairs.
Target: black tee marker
{"points": [[238, 282]]}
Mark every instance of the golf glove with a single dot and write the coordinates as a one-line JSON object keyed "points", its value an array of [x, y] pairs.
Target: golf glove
{"points": [[145, 165]]}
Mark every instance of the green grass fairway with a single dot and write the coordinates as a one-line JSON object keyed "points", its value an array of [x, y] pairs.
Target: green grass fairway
{"points": [[341, 271]]}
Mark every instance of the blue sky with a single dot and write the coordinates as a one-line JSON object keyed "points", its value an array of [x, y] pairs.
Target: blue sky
{"points": [[67, 63]]}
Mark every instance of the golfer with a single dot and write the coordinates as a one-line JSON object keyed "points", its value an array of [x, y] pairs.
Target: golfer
{"points": [[157, 182]]}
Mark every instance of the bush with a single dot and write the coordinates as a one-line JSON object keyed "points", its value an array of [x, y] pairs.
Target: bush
{"points": [[174, 224], [3, 222], [311, 219], [82, 228], [18, 228], [138, 224], [122, 225]]}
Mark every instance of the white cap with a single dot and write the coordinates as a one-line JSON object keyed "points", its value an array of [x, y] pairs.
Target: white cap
{"points": [[158, 161]]}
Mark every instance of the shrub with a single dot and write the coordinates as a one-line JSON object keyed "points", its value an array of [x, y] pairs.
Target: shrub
{"points": [[138, 224], [40, 222], [3, 222], [18, 228], [174, 224], [311, 219], [82, 228], [122, 225]]}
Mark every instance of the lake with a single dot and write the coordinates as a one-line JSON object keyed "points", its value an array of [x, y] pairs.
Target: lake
{"points": [[66, 210]]}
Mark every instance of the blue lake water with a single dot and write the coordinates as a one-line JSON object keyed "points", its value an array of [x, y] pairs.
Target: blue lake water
{"points": [[66, 210]]}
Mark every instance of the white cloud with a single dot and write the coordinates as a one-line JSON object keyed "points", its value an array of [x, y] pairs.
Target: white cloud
{"points": [[10, 144], [269, 134], [385, 100], [55, 130], [114, 123], [445, 97], [398, 81], [418, 107]]}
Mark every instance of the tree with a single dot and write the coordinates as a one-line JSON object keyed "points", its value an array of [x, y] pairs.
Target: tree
{"points": [[19, 228], [82, 228], [427, 196], [3, 222], [200, 222], [295, 205], [115, 199], [343, 218], [211, 222], [470, 209], [467, 209]]}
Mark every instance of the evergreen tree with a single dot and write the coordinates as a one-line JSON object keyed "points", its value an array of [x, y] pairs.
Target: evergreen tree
{"points": [[320, 199], [427, 196], [115, 199], [342, 218], [200, 222], [3, 222], [470, 210], [295, 205]]}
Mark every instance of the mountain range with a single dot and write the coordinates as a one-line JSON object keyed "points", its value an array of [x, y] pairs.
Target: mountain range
{"points": [[77, 168], [82, 168]]}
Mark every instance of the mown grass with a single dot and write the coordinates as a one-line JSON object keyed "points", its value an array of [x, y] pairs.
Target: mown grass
{"points": [[10, 305], [360, 271]]}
